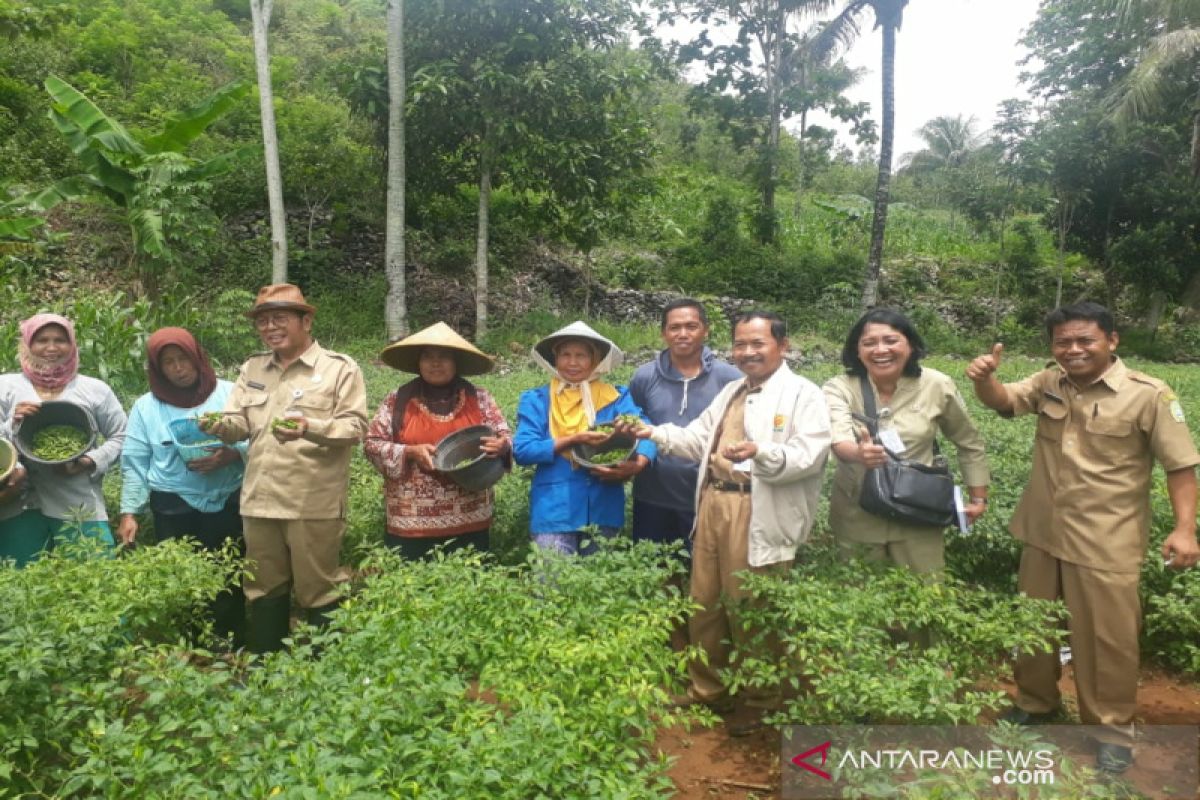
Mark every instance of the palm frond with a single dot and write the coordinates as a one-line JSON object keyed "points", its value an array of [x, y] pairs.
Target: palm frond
{"points": [[840, 31], [1146, 87]]}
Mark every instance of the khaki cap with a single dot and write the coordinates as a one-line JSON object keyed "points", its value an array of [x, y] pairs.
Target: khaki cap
{"points": [[280, 296], [404, 354]]}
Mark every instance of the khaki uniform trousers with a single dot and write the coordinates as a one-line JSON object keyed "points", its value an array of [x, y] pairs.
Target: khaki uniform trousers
{"points": [[923, 554], [722, 547], [1106, 616], [304, 552]]}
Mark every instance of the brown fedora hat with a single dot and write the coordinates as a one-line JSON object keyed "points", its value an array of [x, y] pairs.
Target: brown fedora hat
{"points": [[280, 296], [405, 354]]}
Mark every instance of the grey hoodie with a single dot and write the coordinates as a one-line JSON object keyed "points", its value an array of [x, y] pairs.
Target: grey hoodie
{"points": [[665, 396]]}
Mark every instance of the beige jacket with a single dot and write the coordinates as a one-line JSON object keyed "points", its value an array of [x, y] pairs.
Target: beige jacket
{"points": [[790, 425]]}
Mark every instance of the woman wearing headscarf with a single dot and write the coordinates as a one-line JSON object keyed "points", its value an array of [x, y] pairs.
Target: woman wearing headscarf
{"points": [[425, 508], [196, 498], [65, 501], [564, 497]]}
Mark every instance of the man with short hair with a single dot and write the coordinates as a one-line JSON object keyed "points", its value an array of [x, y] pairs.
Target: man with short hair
{"points": [[303, 408], [675, 388], [761, 445], [1084, 518]]}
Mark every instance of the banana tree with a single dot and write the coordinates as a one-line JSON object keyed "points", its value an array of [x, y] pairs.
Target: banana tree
{"points": [[145, 179]]}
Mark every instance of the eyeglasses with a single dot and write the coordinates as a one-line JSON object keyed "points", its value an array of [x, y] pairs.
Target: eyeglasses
{"points": [[279, 319]]}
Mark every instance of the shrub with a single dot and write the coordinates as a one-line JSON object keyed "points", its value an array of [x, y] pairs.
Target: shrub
{"points": [[437, 679], [842, 660]]}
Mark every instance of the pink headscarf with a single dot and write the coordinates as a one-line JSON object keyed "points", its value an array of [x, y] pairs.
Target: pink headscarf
{"points": [[41, 373]]}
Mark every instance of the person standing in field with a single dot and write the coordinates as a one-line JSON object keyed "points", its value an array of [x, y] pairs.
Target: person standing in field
{"points": [[1084, 518], [197, 499], [761, 445], [425, 508], [882, 355], [66, 501], [571, 505], [676, 387], [303, 408]]}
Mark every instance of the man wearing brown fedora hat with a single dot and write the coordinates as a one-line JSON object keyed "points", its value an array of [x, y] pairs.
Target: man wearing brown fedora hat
{"points": [[303, 408]]}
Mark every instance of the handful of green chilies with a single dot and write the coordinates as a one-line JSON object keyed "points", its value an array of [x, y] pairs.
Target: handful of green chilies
{"points": [[609, 458]]}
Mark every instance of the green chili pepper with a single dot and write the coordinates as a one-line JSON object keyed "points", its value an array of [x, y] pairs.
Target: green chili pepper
{"points": [[59, 443], [609, 458]]}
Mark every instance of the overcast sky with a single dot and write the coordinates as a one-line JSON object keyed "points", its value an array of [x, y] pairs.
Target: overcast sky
{"points": [[952, 57]]}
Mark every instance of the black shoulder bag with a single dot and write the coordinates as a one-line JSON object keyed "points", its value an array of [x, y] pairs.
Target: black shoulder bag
{"points": [[903, 490]]}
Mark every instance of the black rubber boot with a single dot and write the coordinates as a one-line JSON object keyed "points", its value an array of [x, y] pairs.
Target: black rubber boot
{"points": [[319, 617], [228, 611], [269, 618]]}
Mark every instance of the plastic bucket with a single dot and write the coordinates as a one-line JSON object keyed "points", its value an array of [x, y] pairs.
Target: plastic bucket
{"points": [[480, 472], [8, 460], [624, 443], [51, 413], [191, 442]]}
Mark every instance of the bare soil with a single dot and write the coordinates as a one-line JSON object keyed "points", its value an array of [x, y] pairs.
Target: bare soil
{"points": [[711, 765]]}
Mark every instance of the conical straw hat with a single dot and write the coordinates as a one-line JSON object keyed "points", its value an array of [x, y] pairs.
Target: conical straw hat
{"points": [[404, 354], [608, 355]]}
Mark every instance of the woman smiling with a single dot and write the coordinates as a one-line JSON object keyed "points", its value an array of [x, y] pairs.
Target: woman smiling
{"points": [[882, 354], [565, 497], [425, 508], [66, 501]]}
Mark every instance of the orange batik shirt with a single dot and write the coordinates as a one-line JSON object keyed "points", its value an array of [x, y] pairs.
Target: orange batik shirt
{"points": [[420, 503]]}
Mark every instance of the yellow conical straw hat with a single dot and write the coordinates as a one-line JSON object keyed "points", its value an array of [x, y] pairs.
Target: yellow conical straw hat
{"points": [[403, 355]]}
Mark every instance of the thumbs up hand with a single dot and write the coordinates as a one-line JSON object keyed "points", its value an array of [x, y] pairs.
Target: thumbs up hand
{"points": [[984, 367], [871, 455]]}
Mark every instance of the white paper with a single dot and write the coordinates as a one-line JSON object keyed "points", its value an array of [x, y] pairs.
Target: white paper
{"points": [[743, 466], [960, 510], [891, 440]]}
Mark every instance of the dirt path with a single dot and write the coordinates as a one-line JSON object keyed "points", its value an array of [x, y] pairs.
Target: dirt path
{"points": [[711, 765]]}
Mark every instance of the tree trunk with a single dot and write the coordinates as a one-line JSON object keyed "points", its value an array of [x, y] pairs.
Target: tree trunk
{"points": [[773, 53], [260, 13], [395, 312], [870, 293], [1064, 224], [1106, 256], [1196, 143], [481, 241], [1191, 298], [801, 166], [1158, 303]]}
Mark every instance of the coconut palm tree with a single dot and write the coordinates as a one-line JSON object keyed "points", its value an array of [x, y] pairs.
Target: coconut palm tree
{"points": [[1172, 55], [841, 31], [949, 141]]}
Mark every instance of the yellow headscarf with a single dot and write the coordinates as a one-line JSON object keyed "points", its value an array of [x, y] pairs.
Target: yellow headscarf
{"points": [[573, 405]]}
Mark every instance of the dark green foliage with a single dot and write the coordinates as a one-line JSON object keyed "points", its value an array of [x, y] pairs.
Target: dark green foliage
{"points": [[70, 630], [837, 625], [436, 679]]}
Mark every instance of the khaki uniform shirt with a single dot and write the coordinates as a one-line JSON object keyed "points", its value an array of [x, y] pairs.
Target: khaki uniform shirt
{"points": [[1088, 498], [732, 431], [307, 478], [919, 409]]}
